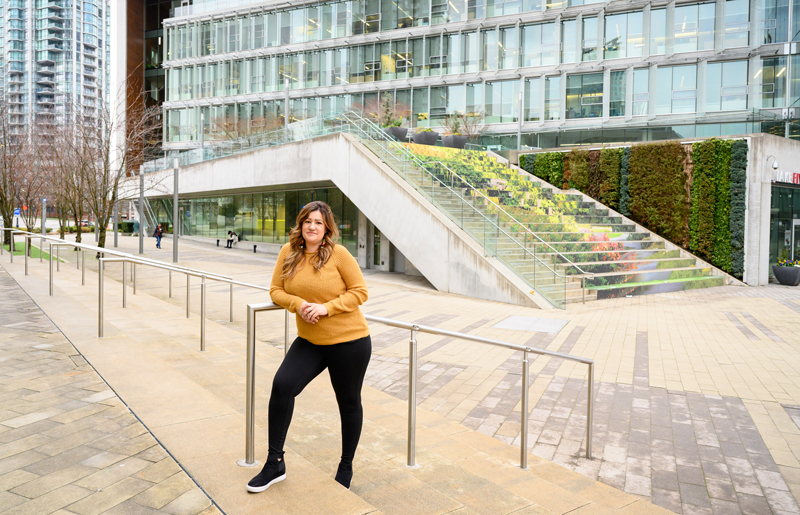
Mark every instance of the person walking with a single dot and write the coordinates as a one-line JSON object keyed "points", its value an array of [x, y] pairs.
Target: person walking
{"points": [[159, 233], [322, 284]]}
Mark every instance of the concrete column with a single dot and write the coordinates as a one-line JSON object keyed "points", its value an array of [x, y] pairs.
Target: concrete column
{"points": [[562, 106], [386, 254], [542, 86], [601, 35], [629, 93], [652, 91], [719, 25], [362, 240], [606, 94]]}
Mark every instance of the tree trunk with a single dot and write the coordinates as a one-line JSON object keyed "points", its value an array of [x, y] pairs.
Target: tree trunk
{"points": [[8, 222]]}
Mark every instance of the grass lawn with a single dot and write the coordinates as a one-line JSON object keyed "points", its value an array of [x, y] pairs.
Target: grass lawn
{"points": [[19, 250]]}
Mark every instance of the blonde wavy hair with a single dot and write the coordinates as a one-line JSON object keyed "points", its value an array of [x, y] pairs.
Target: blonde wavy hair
{"points": [[297, 243]]}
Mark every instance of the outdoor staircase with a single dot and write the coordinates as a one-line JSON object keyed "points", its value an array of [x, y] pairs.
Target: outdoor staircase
{"points": [[536, 229]]}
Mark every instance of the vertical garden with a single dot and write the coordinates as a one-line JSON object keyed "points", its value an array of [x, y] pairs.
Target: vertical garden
{"points": [[691, 194]]}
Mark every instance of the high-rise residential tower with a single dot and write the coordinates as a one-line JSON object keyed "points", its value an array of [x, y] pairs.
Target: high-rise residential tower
{"points": [[54, 60], [549, 72]]}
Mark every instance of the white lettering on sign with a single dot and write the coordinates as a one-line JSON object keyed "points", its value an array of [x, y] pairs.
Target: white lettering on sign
{"points": [[789, 177]]}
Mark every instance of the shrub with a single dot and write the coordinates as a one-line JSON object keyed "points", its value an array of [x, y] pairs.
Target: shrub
{"points": [[609, 168], [578, 170], [126, 227], [593, 175], [526, 162], [738, 205], [624, 191], [657, 185], [722, 206], [701, 213], [550, 167]]}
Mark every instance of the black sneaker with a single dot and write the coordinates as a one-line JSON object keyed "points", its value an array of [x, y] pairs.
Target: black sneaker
{"points": [[274, 471], [344, 475]]}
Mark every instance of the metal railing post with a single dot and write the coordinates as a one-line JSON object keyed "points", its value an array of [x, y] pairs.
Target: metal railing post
{"points": [[83, 268], [170, 284], [412, 397], [188, 299], [58, 258], [286, 333], [523, 441], [51, 269], [231, 302], [41, 248], [249, 437], [590, 412], [77, 258], [27, 247], [202, 313], [11, 245], [134, 278], [100, 299], [124, 284]]}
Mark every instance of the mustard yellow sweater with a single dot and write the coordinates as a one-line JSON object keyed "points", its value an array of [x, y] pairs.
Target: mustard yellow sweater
{"points": [[338, 285]]}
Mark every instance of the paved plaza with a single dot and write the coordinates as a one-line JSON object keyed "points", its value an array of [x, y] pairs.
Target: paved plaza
{"points": [[697, 400]]}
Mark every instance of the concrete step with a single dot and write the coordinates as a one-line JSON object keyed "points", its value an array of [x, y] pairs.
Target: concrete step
{"points": [[658, 286], [647, 276], [192, 402]]}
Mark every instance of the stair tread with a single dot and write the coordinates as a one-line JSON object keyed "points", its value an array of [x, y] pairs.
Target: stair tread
{"points": [[646, 283]]}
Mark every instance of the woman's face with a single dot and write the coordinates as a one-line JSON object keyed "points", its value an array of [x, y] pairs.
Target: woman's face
{"points": [[314, 229]]}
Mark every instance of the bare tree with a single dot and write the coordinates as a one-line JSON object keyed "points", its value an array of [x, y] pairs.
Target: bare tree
{"points": [[100, 159], [13, 146]]}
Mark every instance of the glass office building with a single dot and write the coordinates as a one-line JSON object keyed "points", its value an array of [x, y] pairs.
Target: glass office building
{"points": [[54, 60], [554, 72]]}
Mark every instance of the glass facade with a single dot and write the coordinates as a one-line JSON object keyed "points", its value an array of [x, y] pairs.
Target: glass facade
{"points": [[784, 234], [234, 68], [265, 217]]}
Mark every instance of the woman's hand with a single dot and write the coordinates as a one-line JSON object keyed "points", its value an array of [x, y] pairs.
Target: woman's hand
{"points": [[311, 312]]}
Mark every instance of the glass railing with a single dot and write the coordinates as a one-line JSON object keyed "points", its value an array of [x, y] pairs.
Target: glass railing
{"points": [[498, 232]]}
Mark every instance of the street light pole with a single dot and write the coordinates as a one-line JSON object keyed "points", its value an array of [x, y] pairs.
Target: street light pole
{"points": [[175, 218]]}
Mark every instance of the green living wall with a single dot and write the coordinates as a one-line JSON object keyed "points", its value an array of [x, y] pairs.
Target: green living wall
{"points": [[692, 195]]}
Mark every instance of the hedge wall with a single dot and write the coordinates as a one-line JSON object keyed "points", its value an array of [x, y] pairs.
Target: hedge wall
{"points": [[738, 185], [694, 197], [657, 187]]}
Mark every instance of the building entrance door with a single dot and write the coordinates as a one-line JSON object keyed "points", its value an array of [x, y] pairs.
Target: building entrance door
{"points": [[795, 239]]}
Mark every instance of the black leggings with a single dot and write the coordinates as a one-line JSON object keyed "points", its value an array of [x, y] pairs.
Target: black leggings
{"points": [[346, 362]]}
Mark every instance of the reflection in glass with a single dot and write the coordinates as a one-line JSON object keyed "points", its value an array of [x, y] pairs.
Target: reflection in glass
{"points": [[584, 96], [641, 91], [616, 104], [532, 97], [773, 82], [726, 86], [568, 43], [658, 31], [552, 98]]}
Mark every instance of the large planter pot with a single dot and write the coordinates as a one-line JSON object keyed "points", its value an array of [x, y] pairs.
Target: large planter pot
{"points": [[398, 133], [426, 138], [454, 141], [787, 275]]}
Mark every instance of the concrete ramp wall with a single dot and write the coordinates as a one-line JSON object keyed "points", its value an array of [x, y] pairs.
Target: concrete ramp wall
{"points": [[447, 256]]}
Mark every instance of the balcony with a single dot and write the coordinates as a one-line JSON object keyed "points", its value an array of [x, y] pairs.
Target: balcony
{"points": [[45, 79], [49, 34], [47, 70], [52, 14], [51, 25], [53, 4], [45, 100], [15, 79]]}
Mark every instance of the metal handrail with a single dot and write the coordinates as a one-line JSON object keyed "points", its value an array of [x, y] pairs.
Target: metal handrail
{"points": [[252, 309], [165, 266], [413, 157]]}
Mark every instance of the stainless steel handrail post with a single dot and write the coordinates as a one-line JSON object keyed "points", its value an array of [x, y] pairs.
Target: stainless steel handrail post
{"points": [[11, 246], [134, 278], [590, 412], [286, 333], [58, 258], [83, 268], [51, 269], [523, 441], [202, 313], [412, 397], [188, 299], [77, 257], [124, 284], [250, 423], [170, 284], [27, 246], [100, 299], [231, 302]]}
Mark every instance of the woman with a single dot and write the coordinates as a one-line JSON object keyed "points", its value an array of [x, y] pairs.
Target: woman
{"points": [[321, 282]]}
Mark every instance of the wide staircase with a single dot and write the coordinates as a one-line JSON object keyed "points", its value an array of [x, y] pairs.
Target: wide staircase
{"points": [[193, 403], [581, 239]]}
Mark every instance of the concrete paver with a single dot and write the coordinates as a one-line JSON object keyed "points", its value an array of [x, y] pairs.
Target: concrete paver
{"points": [[691, 408]]}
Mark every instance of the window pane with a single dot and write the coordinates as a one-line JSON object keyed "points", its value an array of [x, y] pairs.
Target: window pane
{"points": [[532, 96], [616, 36], [584, 96], [705, 38], [617, 100], [658, 31], [589, 50], [773, 82], [686, 24], [641, 91], [568, 35], [737, 28], [552, 98], [775, 24]]}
